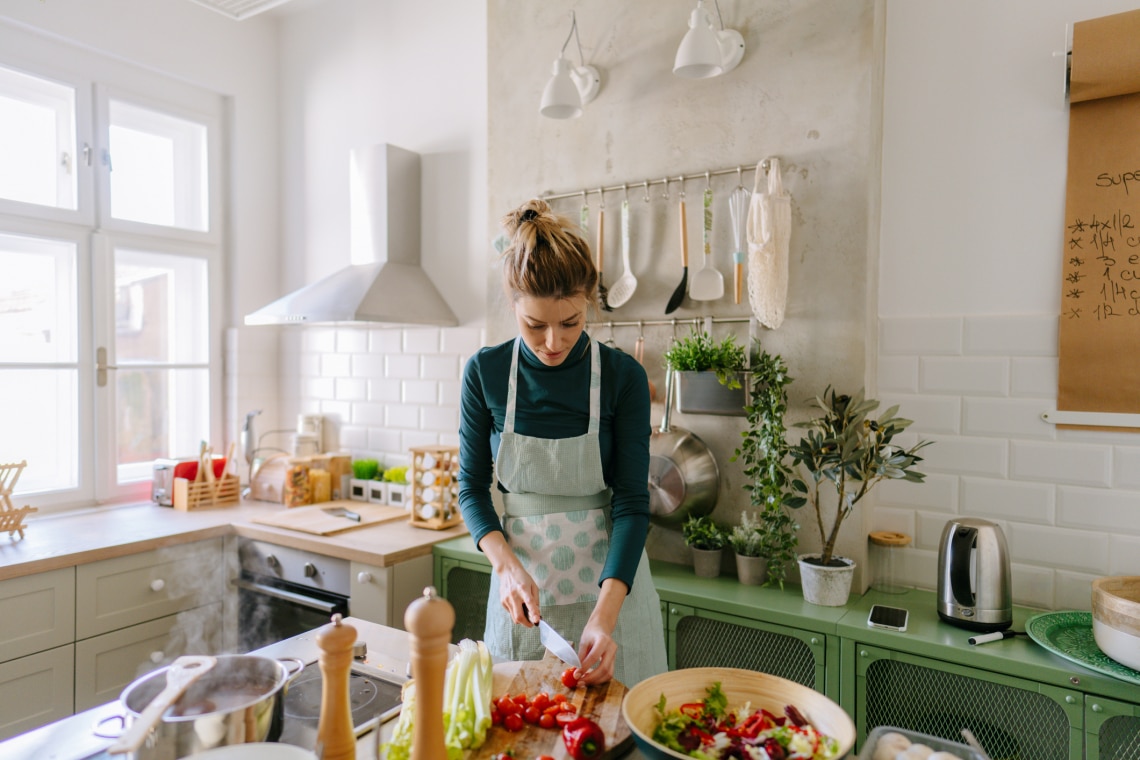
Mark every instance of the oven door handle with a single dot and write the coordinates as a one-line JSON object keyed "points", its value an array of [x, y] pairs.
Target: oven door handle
{"points": [[288, 596]]}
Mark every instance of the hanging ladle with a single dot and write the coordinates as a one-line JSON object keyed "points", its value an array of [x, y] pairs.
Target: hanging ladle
{"points": [[622, 290]]}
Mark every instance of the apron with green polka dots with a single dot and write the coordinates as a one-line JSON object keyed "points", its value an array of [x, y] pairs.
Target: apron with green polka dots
{"points": [[557, 521]]}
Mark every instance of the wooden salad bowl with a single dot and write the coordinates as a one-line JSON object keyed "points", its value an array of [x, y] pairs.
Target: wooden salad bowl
{"points": [[739, 686]]}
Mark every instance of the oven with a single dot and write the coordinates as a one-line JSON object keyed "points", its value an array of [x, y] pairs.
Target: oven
{"points": [[283, 592]]}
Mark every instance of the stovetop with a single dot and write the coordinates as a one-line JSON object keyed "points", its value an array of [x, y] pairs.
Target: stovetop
{"points": [[374, 697]]}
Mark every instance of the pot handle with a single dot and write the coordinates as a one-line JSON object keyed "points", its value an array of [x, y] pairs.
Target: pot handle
{"points": [[287, 661], [98, 728], [669, 380]]}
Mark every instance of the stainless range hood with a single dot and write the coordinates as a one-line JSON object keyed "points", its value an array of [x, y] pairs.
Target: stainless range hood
{"points": [[387, 287]]}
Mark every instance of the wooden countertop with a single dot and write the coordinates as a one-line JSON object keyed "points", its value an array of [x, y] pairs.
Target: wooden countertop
{"points": [[76, 538]]}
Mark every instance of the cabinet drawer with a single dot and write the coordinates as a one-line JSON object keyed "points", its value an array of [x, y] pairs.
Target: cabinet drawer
{"points": [[116, 593], [107, 664], [36, 690], [37, 612]]}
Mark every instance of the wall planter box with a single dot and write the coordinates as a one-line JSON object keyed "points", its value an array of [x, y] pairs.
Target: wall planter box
{"points": [[702, 393]]}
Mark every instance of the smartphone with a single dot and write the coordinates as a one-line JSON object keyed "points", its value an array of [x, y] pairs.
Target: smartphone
{"points": [[891, 618]]}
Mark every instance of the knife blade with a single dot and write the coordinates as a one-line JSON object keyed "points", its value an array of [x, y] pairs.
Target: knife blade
{"points": [[342, 512], [557, 645]]}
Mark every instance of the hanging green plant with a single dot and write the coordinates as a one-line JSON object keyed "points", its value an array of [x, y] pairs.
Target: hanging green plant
{"points": [[698, 352], [765, 451]]}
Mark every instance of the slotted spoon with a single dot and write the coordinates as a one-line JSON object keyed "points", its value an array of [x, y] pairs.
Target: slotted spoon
{"points": [[622, 289]]}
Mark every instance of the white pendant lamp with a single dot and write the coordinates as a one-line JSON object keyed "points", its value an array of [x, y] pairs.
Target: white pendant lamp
{"points": [[571, 86], [705, 51]]}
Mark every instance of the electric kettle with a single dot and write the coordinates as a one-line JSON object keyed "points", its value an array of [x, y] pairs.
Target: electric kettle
{"points": [[974, 588]]}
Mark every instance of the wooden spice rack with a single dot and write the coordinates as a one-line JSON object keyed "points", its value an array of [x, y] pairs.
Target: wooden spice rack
{"points": [[435, 487]]}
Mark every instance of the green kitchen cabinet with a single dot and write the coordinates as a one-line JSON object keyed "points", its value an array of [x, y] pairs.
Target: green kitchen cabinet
{"points": [[1112, 729], [1012, 717], [462, 576]]}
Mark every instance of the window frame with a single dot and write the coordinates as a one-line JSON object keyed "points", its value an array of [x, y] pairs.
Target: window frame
{"points": [[96, 79]]}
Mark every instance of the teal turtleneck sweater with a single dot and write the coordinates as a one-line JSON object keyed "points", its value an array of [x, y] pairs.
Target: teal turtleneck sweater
{"points": [[554, 402]]}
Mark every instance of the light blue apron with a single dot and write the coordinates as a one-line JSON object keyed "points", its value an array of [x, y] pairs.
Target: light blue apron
{"points": [[557, 522]]}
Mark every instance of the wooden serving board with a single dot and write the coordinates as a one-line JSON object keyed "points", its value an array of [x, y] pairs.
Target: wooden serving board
{"points": [[600, 703], [314, 519]]}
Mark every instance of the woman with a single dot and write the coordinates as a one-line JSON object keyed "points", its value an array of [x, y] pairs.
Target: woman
{"points": [[565, 423]]}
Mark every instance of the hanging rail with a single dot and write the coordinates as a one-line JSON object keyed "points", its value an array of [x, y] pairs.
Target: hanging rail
{"points": [[646, 184], [694, 321]]}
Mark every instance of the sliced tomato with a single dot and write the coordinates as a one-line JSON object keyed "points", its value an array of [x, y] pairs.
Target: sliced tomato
{"points": [[565, 717]]}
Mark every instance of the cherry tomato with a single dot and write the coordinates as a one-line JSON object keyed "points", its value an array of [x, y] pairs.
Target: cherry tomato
{"points": [[568, 679], [532, 714], [544, 757], [565, 718], [546, 720], [558, 698], [541, 701], [507, 706], [513, 722], [553, 709], [521, 699], [496, 717]]}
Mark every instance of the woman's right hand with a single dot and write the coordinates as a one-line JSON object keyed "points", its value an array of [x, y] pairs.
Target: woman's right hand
{"points": [[518, 593]]}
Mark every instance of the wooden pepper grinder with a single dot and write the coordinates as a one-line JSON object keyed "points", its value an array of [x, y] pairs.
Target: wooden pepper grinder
{"points": [[335, 737], [429, 621]]}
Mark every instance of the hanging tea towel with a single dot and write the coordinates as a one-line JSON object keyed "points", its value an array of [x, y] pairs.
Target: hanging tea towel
{"points": [[769, 231]]}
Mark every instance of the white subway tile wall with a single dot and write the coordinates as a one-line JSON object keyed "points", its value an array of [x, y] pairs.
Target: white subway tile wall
{"points": [[383, 391], [1068, 501]]}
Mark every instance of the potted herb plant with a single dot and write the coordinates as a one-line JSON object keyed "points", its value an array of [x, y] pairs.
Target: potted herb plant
{"points": [[363, 472], [765, 452], [710, 376], [844, 454], [747, 541], [706, 540]]}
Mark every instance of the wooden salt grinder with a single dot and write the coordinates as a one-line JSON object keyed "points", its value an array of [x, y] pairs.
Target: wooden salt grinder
{"points": [[336, 739], [429, 621]]}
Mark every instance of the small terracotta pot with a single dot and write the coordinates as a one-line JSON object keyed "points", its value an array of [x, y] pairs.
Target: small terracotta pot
{"points": [[752, 571], [706, 562]]}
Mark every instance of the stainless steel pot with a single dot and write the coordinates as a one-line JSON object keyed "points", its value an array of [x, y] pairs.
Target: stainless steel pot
{"points": [[683, 476], [240, 700]]}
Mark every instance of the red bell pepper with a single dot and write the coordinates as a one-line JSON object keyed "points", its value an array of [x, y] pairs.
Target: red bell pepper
{"points": [[584, 739]]}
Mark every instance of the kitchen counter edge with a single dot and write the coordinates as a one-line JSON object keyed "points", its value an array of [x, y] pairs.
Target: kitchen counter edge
{"points": [[78, 538]]}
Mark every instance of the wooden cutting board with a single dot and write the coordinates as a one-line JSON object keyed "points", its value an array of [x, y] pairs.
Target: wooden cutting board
{"points": [[315, 520], [600, 703]]}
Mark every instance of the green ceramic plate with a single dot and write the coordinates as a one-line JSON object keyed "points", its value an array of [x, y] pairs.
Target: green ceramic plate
{"points": [[1070, 635]]}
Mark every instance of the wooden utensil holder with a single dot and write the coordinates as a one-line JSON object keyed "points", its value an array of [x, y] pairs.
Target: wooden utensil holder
{"points": [[191, 495], [435, 487]]}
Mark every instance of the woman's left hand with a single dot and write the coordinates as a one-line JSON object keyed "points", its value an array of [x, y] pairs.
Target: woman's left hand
{"points": [[598, 646]]}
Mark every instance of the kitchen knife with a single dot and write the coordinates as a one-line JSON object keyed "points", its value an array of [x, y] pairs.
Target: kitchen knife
{"points": [[559, 646], [342, 512]]}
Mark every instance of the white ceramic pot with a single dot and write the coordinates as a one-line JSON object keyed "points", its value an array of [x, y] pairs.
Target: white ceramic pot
{"points": [[826, 586], [706, 562], [752, 571]]}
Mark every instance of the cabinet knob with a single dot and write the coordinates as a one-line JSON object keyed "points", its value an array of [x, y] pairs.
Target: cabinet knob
{"points": [[158, 584], [672, 610], [157, 657], [814, 641], [1070, 699], [364, 577], [1096, 707], [273, 562], [863, 653]]}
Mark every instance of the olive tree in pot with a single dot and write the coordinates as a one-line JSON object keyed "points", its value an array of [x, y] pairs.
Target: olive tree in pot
{"points": [[765, 453], [845, 452], [706, 540], [747, 541]]}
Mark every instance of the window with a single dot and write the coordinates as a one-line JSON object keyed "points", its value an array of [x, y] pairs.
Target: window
{"points": [[110, 247]]}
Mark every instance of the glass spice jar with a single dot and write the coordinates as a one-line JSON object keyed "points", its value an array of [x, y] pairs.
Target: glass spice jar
{"points": [[884, 555]]}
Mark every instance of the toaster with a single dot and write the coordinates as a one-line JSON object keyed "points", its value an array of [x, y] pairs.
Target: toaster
{"points": [[974, 586]]}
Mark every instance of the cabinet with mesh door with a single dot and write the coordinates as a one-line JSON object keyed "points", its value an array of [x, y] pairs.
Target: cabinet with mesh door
{"points": [[699, 638], [465, 584], [1013, 718], [1112, 729]]}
